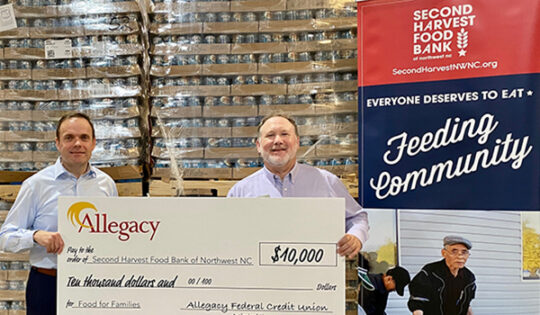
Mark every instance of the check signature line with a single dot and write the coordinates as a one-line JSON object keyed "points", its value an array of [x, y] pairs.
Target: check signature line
{"points": [[259, 311], [246, 288]]}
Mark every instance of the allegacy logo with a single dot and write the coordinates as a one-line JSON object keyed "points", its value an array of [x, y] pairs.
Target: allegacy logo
{"points": [[97, 222]]}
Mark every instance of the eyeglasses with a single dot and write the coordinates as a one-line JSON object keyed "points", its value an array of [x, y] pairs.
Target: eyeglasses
{"points": [[457, 252]]}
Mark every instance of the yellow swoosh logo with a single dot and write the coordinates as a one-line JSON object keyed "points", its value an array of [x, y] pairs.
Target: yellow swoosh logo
{"points": [[75, 210]]}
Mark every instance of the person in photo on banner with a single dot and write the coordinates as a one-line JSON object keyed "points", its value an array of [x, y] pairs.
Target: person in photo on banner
{"points": [[446, 286], [277, 143], [375, 288], [32, 222]]}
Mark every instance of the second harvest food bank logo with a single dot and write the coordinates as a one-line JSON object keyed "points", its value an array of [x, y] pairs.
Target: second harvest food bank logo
{"points": [[440, 33], [96, 222]]}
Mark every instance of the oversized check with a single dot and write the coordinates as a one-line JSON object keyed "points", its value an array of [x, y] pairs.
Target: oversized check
{"points": [[249, 256]]}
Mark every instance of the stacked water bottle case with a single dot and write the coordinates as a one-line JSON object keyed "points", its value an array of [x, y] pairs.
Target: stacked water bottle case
{"points": [[218, 67], [13, 274], [66, 56], [70, 56]]}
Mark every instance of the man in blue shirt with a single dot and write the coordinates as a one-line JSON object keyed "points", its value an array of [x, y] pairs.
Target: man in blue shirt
{"points": [[282, 176], [32, 222]]}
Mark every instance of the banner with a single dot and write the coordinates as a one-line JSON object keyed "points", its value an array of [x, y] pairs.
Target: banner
{"points": [[449, 98], [201, 255]]}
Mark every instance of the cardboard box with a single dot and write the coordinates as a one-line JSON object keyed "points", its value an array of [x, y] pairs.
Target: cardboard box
{"points": [[337, 128], [19, 32], [113, 113], [119, 91], [44, 115], [130, 189], [44, 156], [131, 153], [24, 53], [12, 295], [112, 72], [58, 74], [258, 5], [323, 45], [49, 32], [341, 170], [184, 153], [329, 24], [13, 177], [163, 7], [210, 6], [16, 74], [259, 48], [171, 49], [305, 152], [230, 69], [124, 172], [289, 109], [16, 156], [336, 108], [210, 90], [230, 27], [259, 89], [318, 4], [230, 111], [322, 87], [332, 150], [108, 49], [27, 135], [241, 172], [225, 153], [175, 71], [177, 132], [177, 112], [16, 115], [20, 95], [198, 173], [9, 193], [244, 131], [118, 132], [213, 6], [21, 275], [77, 94], [288, 67], [115, 27], [172, 29]]}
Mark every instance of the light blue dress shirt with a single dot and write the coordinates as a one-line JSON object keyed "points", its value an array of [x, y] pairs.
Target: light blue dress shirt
{"points": [[36, 208], [305, 181]]}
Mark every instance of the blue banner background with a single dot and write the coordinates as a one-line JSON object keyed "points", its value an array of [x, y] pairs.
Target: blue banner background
{"points": [[496, 187]]}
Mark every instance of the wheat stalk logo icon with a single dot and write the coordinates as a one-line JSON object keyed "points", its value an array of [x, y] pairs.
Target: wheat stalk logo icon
{"points": [[462, 41]]}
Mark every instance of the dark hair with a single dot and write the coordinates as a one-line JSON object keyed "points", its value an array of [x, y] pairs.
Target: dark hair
{"points": [[74, 115], [277, 115]]}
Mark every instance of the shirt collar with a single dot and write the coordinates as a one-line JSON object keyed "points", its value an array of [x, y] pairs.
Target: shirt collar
{"points": [[291, 175], [59, 170]]}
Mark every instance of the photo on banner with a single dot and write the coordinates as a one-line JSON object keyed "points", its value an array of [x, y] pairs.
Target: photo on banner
{"points": [[530, 245], [381, 248], [449, 104]]}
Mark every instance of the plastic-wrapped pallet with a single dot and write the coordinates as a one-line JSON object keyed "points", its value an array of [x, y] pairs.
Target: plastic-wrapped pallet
{"points": [[218, 67], [63, 57], [69, 56]]}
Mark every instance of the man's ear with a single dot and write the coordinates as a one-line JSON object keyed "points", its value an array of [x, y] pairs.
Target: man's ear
{"points": [[258, 145]]}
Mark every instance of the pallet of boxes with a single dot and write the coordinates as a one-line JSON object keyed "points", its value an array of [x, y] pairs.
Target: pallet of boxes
{"points": [[218, 67], [68, 56]]}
